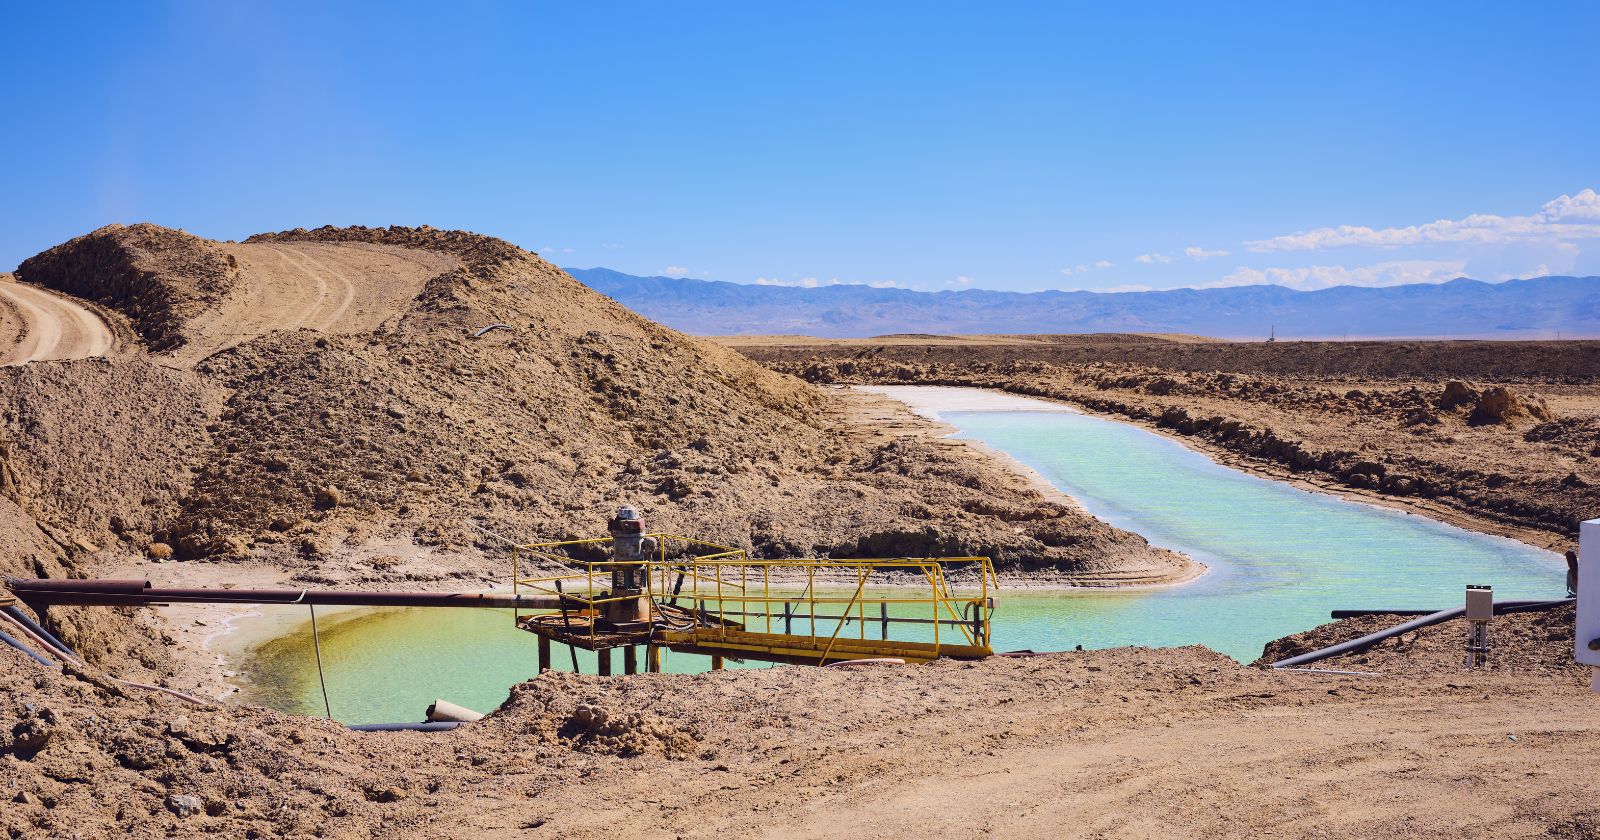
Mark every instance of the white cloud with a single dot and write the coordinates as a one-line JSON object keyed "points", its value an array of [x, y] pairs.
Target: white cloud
{"points": [[1393, 273], [961, 280], [675, 271], [1561, 220], [1202, 254], [803, 282], [1087, 267], [1147, 259], [884, 284], [1133, 287], [1541, 270]]}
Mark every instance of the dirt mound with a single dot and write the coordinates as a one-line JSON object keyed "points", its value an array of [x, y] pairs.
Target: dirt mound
{"points": [[1495, 404], [158, 277], [576, 405], [574, 711], [392, 414], [474, 249]]}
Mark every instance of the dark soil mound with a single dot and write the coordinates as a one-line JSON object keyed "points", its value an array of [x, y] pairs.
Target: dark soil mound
{"points": [[158, 277]]}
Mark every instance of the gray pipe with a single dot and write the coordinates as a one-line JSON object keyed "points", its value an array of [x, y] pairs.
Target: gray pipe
{"points": [[1428, 620], [10, 640], [433, 726], [1499, 609], [49, 638]]}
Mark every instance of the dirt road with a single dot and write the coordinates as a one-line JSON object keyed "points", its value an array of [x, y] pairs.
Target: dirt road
{"points": [[345, 288], [38, 325], [1116, 743]]}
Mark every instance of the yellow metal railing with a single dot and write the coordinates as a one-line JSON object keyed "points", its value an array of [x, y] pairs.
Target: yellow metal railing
{"points": [[771, 604]]}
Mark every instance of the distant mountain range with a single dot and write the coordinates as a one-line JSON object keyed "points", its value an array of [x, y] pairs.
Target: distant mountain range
{"points": [[1543, 307]]}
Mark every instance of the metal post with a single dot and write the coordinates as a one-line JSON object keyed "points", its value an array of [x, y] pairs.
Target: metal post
{"points": [[604, 655], [630, 659], [716, 662], [652, 659], [1479, 611], [544, 654], [1586, 641]]}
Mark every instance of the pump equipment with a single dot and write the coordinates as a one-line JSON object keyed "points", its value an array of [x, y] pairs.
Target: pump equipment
{"points": [[631, 552]]}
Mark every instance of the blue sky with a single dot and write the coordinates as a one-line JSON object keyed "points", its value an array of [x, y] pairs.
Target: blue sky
{"points": [[926, 145]]}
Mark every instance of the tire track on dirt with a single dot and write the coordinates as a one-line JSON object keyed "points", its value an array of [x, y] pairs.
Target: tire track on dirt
{"points": [[49, 326], [328, 288], [320, 272]]}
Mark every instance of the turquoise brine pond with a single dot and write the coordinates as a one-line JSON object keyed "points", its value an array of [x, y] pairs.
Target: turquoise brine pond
{"points": [[1280, 558]]}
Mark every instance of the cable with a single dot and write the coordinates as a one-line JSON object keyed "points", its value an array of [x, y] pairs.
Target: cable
{"points": [[316, 645]]}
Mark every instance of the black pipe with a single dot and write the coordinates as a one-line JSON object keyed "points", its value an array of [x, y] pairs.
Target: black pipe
{"points": [[1338, 614], [7, 638], [49, 638], [1500, 608], [1364, 642], [431, 726], [39, 593]]}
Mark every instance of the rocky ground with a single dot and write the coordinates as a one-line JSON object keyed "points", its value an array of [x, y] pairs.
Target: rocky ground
{"points": [[1129, 742], [1498, 436]]}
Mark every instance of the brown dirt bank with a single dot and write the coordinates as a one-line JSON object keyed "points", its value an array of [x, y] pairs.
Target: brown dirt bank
{"points": [[1572, 362], [1128, 742], [1514, 456]]}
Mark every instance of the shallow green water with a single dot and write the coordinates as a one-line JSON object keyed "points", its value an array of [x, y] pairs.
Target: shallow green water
{"points": [[1281, 558]]}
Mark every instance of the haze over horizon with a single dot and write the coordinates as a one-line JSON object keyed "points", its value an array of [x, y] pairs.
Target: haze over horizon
{"points": [[1020, 148]]}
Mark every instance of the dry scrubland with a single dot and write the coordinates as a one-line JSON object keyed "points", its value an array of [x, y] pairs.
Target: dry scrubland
{"points": [[1497, 436], [315, 405]]}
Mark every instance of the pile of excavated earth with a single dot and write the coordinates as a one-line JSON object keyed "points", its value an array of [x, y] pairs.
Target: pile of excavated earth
{"points": [[1497, 436], [363, 406]]}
